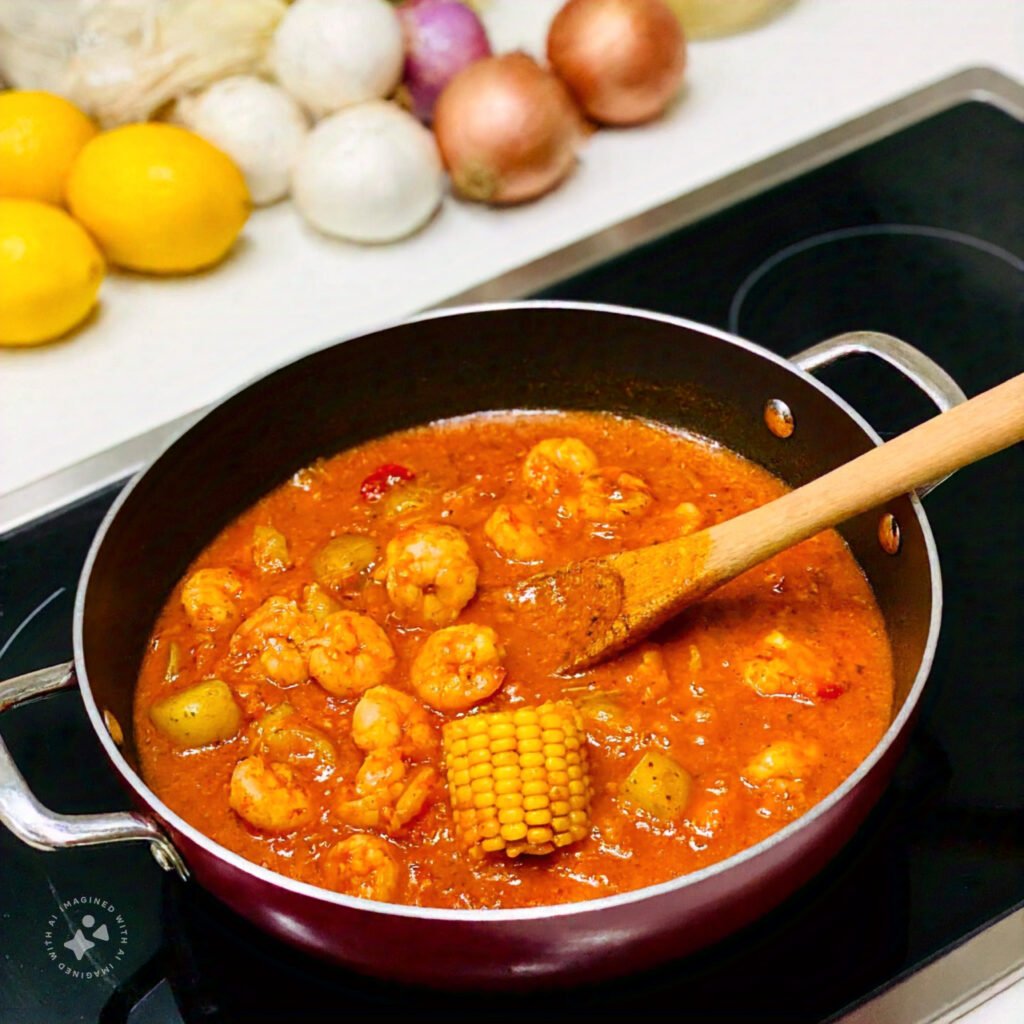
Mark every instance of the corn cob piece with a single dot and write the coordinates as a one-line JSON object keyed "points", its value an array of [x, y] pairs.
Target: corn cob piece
{"points": [[518, 779]]}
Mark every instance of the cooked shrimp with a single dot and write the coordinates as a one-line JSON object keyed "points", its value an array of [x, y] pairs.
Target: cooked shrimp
{"points": [[429, 572], [788, 668], [270, 550], [458, 667], [610, 494], [387, 719], [650, 677], [351, 654], [212, 597], [783, 759], [268, 797], [276, 631], [385, 795], [510, 531], [689, 518], [364, 866], [551, 462], [781, 770]]}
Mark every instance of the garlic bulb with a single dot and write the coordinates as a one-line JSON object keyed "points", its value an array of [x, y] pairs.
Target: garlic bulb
{"points": [[120, 60], [331, 54], [257, 124], [369, 174]]}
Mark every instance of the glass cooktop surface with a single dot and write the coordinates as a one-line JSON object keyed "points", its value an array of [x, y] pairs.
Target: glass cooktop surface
{"points": [[919, 234]]}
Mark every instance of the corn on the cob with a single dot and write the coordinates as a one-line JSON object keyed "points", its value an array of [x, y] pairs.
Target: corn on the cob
{"points": [[518, 779]]}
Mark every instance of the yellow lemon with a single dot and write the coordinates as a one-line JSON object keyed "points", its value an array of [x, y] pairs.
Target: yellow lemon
{"points": [[50, 272], [40, 136], [158, 198]]}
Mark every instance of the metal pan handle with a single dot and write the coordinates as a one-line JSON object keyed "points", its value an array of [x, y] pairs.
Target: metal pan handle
{"points": [[925, 373], [44, 829]]}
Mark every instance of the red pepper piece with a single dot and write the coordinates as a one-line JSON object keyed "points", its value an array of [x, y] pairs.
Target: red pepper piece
{"points": [[382, 479], [830, 691]]}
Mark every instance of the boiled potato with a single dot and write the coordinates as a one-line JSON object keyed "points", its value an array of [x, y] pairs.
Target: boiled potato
{"points": [[204, 713], [270, 550], [658, 785], [342, 559]]}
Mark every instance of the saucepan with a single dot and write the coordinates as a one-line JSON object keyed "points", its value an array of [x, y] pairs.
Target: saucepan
{"points": [[525, 355]]}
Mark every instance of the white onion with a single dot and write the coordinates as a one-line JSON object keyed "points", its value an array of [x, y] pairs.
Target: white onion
{"points": [[371, 173], [256, 123], [331, 54]]}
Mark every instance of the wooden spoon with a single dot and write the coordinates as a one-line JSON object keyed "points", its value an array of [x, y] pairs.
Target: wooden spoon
{"points": [[598, 607]]}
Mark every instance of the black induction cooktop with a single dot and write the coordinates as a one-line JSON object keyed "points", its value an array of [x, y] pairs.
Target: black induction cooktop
{"points": [[918, 234]]}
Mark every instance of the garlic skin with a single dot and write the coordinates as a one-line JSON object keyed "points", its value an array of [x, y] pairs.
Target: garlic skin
{"points": [[331, 54], [371, 173], [256, 123]]}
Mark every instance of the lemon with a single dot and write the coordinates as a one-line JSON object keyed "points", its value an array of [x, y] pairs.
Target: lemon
{"points": [[50, 272], [158, 198], [40, 136]]}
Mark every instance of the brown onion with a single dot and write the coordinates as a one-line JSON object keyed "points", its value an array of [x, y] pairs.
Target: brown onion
{"points": [[623, 60], [507, 129]]}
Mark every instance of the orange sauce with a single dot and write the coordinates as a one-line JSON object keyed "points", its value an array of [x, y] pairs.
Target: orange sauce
{"points": [[689, 691]]}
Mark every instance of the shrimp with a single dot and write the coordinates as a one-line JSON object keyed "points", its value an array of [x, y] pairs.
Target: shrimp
{"points": [[270, 550], [268, 797], [429, 573], [551, 462], [783, 759], [387, 719], [364, 866], [211, 598], [351, 654], [385, 794], [458, 667], [610, 494], [650, 676], [788, 668], [511, 532], [782, 767], [277, 630], [689, 517]]}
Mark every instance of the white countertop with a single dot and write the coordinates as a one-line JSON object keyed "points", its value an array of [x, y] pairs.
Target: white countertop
{"points": [[160, 348]]}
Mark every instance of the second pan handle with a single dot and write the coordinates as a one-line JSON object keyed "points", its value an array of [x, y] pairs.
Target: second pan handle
{"points": [[919, 369]]}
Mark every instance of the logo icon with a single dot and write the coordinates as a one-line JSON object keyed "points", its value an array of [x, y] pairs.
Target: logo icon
{"points": [[86, 938]]}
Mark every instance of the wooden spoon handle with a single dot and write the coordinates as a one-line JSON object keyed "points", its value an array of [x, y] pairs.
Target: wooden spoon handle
{"points": [[982, 426]]}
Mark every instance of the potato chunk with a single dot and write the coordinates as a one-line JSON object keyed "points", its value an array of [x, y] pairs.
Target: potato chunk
{"points": [[659, 785], [270, 550], [342, 559], [202, 714]]}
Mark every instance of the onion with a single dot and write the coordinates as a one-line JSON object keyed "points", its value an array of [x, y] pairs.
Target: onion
{"points": [[507, 129], [441, 38], [369, 173], [623, 60]]}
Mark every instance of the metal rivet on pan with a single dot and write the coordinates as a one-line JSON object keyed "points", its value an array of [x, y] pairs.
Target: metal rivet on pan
{"points": [[778, 417], [889, 533]]}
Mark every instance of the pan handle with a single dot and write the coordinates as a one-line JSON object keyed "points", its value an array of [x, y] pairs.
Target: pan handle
{"points": [[918, 368], [44, 829]]}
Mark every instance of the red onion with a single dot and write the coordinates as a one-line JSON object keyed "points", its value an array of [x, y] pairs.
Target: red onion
{"points": [[623, 60], [441, 38], [507, 129]]}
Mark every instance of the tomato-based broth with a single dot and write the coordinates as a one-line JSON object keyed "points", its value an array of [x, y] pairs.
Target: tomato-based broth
{"points": [[342, 690]]}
